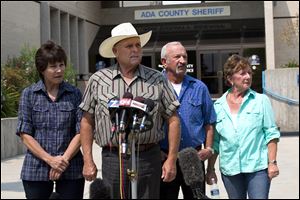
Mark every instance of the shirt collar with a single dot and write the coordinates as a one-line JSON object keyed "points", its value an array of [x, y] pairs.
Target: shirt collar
{"points": [[140, 71], [40, 85], [249, 94], [186, 79]]}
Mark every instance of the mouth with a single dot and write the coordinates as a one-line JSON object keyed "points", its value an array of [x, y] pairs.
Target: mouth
{"points": [[181, 67], [135, 57]]}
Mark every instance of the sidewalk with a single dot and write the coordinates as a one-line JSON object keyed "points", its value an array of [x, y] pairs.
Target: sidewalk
{"points": [[285, 186]]}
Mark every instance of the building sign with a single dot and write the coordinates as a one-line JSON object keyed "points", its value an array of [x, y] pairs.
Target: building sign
{"points": [[213, 11]]}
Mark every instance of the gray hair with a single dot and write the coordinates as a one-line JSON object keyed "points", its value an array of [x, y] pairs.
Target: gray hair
{"points": [[164, 48]]}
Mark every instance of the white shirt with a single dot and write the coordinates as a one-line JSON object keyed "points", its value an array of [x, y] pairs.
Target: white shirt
{"points": [[177, 87], [234, 120]]}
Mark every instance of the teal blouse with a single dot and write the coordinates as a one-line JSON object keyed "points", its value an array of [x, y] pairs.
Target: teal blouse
{"points": [[244, 149]]}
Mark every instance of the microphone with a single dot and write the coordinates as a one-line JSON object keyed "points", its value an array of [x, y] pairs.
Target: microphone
{"points": [[149, 108], [113, 107], [100, 189], [138, 110], [192, 170], [54, 195], [125, 103]]}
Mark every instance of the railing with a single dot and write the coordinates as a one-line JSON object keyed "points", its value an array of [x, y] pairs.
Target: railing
{"points": [[275, 95]]}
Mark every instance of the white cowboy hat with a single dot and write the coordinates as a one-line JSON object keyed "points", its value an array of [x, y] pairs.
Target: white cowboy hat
{"points": [[118, 33]]}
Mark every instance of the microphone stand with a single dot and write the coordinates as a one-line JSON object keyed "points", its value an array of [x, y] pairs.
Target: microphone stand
{"points": [[133, 176], [133, 172]]}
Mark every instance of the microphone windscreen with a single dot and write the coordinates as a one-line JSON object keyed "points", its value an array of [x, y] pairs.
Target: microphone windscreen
{"points": [[128, 95], [54, 195], [114, 102], [191, 167], [100, 189], [138, 103], [150, 104], [139, 99]]}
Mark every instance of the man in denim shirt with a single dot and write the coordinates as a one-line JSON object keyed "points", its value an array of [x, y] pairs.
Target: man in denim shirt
{"points": [[196, 114]]}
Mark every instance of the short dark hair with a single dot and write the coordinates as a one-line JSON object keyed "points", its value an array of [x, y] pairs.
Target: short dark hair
{"points": [[100, 189], [49, 52]]}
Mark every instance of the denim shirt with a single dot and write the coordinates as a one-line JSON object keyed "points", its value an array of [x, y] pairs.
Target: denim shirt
{"points": [[53, 125], [244, 149], [195, 112]]}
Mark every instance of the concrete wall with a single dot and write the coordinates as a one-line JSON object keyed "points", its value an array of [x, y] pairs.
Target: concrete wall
{"points": [[284, 82], [89, 10], [285, 14], [11, 144], [20, 25]]}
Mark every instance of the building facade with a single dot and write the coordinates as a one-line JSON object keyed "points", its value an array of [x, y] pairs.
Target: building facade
{"points": [[211, 31]]}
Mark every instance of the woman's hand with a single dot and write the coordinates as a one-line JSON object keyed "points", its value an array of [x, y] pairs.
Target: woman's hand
{"points": [[54, 174], [59, 163], [273, 171]]}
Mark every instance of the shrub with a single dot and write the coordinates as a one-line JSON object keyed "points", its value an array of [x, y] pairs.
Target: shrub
{"points": [[292, 63], [18, 73]]}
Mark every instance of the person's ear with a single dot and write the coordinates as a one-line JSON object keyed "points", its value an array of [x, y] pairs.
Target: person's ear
{"points": [[164, 63], [115, 51]]}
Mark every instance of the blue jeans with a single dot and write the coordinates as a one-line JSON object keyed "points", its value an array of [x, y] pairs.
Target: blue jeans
{"points": [[256, 184], [67, 189]]}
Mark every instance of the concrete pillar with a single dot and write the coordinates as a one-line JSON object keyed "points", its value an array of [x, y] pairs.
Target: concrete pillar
{"points": [[82, 48], [74, 43], [269, 35], [55, 25], [65, 32], [45, 21]]}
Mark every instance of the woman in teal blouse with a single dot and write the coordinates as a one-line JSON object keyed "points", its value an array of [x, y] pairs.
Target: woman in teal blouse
{"points": [[246, 136]]}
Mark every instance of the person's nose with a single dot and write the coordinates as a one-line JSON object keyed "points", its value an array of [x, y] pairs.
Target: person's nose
{"points": [[59, 68], [135, 49], [182, 60]]}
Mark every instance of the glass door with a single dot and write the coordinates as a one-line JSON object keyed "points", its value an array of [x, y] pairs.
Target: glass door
{"points": [[211, 65]]}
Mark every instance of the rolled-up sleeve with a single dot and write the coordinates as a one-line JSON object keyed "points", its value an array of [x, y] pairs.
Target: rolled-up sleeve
{"points": [[24, 114], [169, 99], [269, 126], [88, 101]]}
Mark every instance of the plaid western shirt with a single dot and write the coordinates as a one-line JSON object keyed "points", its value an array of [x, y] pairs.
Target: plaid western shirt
{"points": [[148, 83], [53, 125]]}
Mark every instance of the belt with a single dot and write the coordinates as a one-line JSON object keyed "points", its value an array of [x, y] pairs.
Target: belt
{"points": [[140, 148], [198, 148]]}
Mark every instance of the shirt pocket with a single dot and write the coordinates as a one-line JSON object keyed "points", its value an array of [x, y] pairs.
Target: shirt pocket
{"points": [[220, 123], [253, 119], [101, 108], [66, 114], [40, 115], [195, 110]]}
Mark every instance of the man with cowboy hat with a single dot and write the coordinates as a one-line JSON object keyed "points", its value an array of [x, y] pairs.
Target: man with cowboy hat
{"points": [[129, 76]]}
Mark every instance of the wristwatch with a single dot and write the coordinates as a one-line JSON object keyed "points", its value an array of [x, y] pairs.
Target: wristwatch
{"points": [[210, 149], [274, 162]]}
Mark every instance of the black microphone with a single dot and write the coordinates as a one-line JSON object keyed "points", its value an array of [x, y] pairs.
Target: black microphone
{"points": [[113, 107], [100, 189], [150, 106], [192, 170], [54, 195], [125, 103], [138, 107]]}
